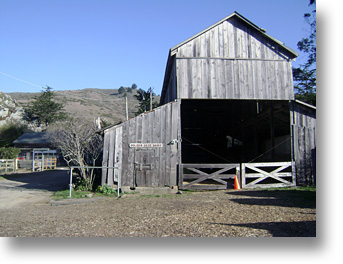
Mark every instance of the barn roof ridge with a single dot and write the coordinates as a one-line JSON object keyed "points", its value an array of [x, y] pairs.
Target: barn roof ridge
{"points": [[235, 13]]}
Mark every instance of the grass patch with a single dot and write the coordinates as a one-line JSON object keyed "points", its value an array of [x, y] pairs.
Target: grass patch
{"points": [[297, 188], [60, 195], [65, 194]]}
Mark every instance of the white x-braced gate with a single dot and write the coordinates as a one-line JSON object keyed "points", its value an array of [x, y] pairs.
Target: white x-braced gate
{"points": [[268, 174], [208, 176], [251, 175]]}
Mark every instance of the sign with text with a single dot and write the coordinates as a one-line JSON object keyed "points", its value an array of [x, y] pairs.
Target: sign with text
{"points": [[146, 145]]}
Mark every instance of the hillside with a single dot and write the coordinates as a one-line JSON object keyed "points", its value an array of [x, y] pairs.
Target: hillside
{"points": [[90, 103]]}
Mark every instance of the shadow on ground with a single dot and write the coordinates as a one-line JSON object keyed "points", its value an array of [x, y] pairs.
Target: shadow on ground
{"points": [[282, 229], [285, 198], [52, 180]]}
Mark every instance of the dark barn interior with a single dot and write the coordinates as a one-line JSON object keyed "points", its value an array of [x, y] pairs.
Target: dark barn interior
{"points": [[235, 131]]}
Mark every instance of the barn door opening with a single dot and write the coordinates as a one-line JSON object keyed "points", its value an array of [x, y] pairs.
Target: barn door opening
{"points": [[235, 131], [219, 133], [145, 165]]}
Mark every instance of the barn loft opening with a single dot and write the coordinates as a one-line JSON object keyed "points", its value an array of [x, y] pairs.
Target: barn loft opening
{"points": [[235, 131]]}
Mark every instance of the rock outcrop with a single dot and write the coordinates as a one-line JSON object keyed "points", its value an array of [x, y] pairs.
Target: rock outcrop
{"points": [[9, 111]]}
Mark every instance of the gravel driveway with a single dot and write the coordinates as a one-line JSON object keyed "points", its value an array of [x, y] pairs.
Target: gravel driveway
{"points": [[190, 214]]}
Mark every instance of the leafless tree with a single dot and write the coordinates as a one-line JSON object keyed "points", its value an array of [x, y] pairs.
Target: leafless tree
{"points": [[80, 145]]}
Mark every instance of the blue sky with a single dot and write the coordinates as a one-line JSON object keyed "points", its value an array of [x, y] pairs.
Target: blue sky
{"points": [[77, 44]]}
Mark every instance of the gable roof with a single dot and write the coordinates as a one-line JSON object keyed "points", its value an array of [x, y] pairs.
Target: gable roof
{"points": [[242, 18], [33, 138]]}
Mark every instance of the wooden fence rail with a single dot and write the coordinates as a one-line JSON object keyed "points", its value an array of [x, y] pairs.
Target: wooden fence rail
{"points": [[7, 165], [266, 175]]}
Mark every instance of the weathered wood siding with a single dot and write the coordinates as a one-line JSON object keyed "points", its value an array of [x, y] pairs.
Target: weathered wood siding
{"points": [[304, 138], [162, 125], [234, 79], [232, 60], [112, 155]]}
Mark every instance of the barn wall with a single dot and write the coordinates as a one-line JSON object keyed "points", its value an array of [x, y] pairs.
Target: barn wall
{"points": [[234, 79], [162, 125], [233, 61], [304, 133], [232, 38]]}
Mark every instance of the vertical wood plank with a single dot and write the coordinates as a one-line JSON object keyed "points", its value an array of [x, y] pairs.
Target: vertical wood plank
{"points": [[157, 139], [126, 177], [168, 148], [111, 158], [162, 164], [174, 147], [105, 158]]}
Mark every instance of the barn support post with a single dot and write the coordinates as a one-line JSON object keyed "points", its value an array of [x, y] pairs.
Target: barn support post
{"points": [[292, 141], [119, 183], [71, 180], [33, 160], [272, 131]]}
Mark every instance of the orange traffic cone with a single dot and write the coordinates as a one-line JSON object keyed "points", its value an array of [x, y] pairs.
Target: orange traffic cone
{"points": [[237, 187]]}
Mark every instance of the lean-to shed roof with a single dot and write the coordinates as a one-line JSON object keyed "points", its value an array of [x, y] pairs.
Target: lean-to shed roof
{"points": [[33, 138]]}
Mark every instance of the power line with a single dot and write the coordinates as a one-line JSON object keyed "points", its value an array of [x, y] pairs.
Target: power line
{"points": [[15, 78]]}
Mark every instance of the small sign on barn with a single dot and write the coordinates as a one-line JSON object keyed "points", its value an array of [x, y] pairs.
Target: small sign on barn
{"points": [[146, 145]]}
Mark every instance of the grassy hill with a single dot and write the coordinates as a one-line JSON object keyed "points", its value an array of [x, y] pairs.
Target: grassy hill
{"points": [[90, 103]]}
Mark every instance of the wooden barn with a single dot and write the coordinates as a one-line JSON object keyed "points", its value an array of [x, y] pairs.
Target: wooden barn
{"points": [[227, 108]]}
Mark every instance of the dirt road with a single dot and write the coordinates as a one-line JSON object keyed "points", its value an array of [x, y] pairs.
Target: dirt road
{"points": [[31, 188], [288, 213]]}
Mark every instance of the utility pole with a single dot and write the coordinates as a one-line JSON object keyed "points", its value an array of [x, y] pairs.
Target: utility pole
{"points": [[126, 108], [150, 98]]}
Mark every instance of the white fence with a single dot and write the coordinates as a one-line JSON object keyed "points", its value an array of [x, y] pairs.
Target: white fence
{"points": [[8, 165]]}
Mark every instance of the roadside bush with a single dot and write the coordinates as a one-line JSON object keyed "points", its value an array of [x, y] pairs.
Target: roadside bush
{"points": [[82, 185], [105, 189], [9, 153], [10, 132]]}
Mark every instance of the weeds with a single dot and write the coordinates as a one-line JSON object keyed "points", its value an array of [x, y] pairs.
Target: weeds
{"points": [[81, 193]]}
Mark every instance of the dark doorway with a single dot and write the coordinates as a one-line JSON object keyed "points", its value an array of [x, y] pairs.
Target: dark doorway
{"points": [[235, 131]]}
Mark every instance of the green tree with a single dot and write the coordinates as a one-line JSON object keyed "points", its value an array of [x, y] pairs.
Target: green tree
{"points": [[10, 132], [43, 110], [305, 75], [9, 153], [121, 90], [144, 100]]}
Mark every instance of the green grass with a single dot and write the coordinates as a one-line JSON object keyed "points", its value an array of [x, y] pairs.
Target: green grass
{"points": [[65, 194], [60, 195], [297, 188]]}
